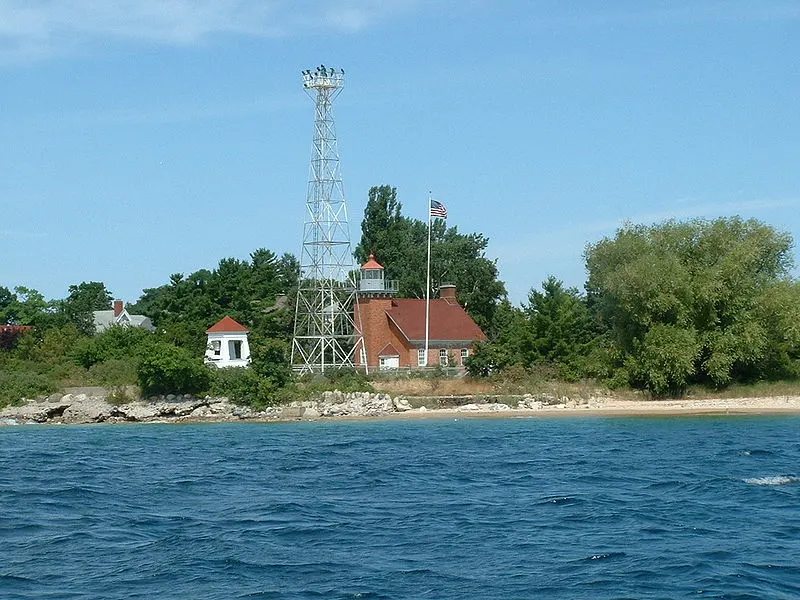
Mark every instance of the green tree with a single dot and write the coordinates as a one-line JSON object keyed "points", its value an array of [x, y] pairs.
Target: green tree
{"points": [[560, 327], [251, 292], [690, 293], [509, 342], [83, 300], [400, 244]]}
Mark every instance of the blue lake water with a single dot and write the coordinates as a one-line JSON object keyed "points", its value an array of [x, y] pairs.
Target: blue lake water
{"points": [[693, 507]]}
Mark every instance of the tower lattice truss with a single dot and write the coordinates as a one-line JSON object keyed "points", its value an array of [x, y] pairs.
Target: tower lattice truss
{"points": [[325, 336]]}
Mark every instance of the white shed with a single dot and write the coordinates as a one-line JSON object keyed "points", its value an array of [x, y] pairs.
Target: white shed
{"points": [[227, 344]]}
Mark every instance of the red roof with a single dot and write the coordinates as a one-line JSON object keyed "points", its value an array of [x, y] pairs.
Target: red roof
{"points": [[227, 325], [389, 350], [371, 264], [448, 321]]}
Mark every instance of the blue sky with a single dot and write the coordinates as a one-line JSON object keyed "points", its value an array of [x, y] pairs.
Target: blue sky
{"points": [[142, 138]]}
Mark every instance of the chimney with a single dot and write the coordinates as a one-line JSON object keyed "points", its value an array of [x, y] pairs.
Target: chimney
{"points": [[117, 307], [447, 292]]}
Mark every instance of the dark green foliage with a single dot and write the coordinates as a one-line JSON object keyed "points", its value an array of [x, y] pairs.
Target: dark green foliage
{"points": [[113, 343], [270, 359], [253, 293], [165, 368], [555, 330], [26, 306], [244, 386], [82, 300], [400, 244], [257, 385], [560, 328]]}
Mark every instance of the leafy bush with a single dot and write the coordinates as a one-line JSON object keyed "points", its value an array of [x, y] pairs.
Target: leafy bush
{"points": [[165, 368], [113, 343], [244, 386], [15, 385], [270, 359], [114, 372]]}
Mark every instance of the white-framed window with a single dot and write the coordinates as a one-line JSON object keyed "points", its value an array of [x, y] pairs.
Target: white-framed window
{"points": [[235, 349], [216, 347], [464, 355], [421, 362], [389, 362], [443, 358]]}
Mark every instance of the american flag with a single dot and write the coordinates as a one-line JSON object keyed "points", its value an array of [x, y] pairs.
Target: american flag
{"points": [[438, 210]]}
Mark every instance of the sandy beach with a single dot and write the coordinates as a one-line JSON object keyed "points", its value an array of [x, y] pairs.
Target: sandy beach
{"points": [[613, 407]]}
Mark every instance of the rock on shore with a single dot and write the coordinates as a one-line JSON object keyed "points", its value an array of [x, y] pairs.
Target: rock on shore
{"points": [[92, 406], [95, 408]]}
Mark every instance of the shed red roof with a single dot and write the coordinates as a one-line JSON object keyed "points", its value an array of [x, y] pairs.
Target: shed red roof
{"points": [[371, 264], [448, 321], [389, 350], [227, 325]]}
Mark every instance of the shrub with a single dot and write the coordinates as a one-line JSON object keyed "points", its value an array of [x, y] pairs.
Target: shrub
{"points": [[244, 386], [165, 368], [113, 343], [15, 385], [114, 372]]}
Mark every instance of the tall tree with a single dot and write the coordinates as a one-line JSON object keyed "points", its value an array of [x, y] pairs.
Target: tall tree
{"points": [[248, 291], [399, 243], [82, 300], [685, 300]]}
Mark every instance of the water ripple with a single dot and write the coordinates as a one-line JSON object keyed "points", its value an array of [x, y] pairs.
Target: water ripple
{"points": [[494, 509]]}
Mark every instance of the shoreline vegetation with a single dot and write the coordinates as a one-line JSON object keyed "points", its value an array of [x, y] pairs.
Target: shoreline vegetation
{"points": [[671, 312]]}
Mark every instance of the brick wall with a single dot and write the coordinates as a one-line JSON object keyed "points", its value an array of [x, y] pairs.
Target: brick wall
{"points": [[378, 332]]}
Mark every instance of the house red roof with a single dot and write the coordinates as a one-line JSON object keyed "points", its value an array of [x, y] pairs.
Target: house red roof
{"points": [[371, 264], [448, 321], [227, 325]]}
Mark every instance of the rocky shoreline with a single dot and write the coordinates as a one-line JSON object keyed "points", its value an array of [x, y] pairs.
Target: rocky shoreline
{"points": [[98, 405]]}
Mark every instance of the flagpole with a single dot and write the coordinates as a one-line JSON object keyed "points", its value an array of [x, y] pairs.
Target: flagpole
{"points": [[428, 285]]}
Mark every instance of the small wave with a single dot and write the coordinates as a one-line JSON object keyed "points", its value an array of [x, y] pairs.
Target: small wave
{"points": [[560, 500], [758, 453], [605, 556], [774, 480]]}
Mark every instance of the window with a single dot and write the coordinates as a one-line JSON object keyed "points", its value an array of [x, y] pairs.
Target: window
{"points": [[235, 347], [216, 348], [443, 358], [389, 362], [464, 355], [421, 362]]}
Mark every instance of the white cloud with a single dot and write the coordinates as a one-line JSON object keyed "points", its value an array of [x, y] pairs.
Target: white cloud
{"points": [[34, 29]]}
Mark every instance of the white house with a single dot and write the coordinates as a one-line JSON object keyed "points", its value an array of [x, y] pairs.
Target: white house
{"points": [[103, 319], [227, 344]]}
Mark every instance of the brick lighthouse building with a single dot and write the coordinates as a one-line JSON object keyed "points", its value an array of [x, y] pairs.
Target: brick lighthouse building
{"points": [[393, 329]]}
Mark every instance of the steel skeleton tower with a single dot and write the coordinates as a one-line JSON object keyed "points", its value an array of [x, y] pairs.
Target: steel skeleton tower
{"points": [[325, 335]]}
